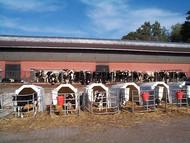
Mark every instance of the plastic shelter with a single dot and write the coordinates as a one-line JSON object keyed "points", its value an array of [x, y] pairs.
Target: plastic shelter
{"points": [[65, 101], [124, 91], [32, 89], [89, 90], [64, 88], [161, 89], [179, 86]]}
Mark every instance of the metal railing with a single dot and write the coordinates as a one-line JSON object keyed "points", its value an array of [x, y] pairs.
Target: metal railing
{"points": [[70, 105], [140, 105], [175, 102], [105, 105], [19, 106]]}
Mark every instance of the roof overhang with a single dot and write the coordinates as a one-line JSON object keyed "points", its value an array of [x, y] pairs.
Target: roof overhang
{"points": [[16, 42]]}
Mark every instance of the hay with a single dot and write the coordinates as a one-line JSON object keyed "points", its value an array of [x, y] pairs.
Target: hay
{"points": [[95, 110], [122, 119], [63, 111], [28, 107]]}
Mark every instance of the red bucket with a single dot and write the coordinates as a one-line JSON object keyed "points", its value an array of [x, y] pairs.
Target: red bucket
{"points": [[179, 94], [145, 96], [60, 100]]}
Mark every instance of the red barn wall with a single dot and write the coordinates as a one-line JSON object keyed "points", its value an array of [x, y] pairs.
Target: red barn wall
{"points": [[91, 66], [76, 66], [2, 67], [150, 67]]}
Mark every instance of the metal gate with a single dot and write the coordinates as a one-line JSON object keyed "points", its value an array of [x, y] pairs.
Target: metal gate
{"points": [[18, 106], [103, 104], [176, 102], [69, 106], [141, 105]]}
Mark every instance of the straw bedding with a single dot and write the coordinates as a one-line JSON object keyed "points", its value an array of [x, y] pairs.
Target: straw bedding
{"points": [[122, 119], [90, 122]]}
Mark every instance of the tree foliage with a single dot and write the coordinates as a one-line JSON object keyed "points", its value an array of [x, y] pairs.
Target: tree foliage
{"points": [[185, 29], [175, 34], [188, 17], [154, 32], [149, 32]]}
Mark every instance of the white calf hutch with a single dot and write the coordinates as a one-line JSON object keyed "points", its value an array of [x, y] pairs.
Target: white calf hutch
{"points": [[179, 94], [26, 102], [161, 90], [65, 101], [96, 100], [130, 98]]}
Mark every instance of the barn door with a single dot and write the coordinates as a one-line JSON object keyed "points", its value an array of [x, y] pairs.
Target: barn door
{"points": [[102, 68], [12, 71]]}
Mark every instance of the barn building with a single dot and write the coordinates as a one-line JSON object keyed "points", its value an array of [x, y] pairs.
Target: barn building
{"points": [[23, 53]]}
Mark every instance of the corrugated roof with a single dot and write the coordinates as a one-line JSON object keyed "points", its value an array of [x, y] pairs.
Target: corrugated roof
{"points": [[91, 44]]}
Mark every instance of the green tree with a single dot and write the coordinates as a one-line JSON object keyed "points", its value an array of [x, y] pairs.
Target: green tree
{"points": [[185, 29], [130, 36], [175, 33], [148, 32], [145, 31], [156, 31], [164, 35], [188, 17]]}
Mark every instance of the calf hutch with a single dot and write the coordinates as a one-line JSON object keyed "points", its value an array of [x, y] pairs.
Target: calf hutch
{"points": [[161, 90], [20, 56], [179, 93], [27, 101], [65, 101], [125, 91], [130, 97], [96, 100]]}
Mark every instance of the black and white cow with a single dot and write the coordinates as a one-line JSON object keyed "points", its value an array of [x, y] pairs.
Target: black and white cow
{"points": [[88, 77], [182, 76], [163, 76], [173, 76], [23, 102], [84, 77], [70, 103], [40, 76], [99, 100], [149, 76], [8, 80], [66, 76], [52, 76], [112, 76]]}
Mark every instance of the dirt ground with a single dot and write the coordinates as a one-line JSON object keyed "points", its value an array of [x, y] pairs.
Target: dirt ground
{"points": [[160, 126], [173, 130]]}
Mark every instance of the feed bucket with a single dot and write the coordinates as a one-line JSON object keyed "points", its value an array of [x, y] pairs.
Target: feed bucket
{"points": [[145, 96], [179, 94], [60, 100]]}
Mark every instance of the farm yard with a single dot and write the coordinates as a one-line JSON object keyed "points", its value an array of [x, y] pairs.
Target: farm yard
{"points": [[121, 126], [51, 88]]}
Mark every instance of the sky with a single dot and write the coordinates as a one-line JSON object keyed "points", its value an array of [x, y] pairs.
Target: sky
{"points": [[102, 19]]}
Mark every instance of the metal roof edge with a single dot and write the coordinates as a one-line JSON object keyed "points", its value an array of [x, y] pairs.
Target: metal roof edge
{"points": [[99, 49], [92, 41]]}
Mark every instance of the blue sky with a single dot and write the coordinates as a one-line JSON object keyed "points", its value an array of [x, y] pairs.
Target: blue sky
{"points": [[108, 19]]}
